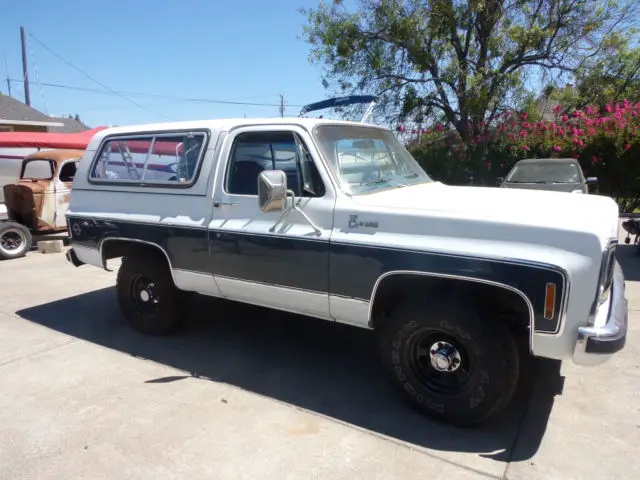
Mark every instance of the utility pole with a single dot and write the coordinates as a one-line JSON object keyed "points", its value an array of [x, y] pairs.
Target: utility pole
{"points": [[281, 106], [25, 66], [6, 67]]}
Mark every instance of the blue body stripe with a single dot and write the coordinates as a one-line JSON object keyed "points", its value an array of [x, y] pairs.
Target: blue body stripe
{"points": [[318, 265]]}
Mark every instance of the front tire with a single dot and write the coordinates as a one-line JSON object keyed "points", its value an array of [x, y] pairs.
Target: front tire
{"points": [[148, 298], [15, 240], [452, 362]]}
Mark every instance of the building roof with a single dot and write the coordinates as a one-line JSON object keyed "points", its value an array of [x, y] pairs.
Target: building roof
{"points": [[70, 125], [13, 111]]}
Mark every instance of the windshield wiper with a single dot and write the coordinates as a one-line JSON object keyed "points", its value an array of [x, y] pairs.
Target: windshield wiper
{"points": [[411, 175], [376, 182]]}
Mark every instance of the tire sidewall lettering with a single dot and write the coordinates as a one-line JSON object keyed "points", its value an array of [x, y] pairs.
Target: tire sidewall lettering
{"points": [[476, 394]]}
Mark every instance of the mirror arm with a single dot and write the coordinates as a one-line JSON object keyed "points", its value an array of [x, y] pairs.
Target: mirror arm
{"points": [[293, 206], [280, 218]]}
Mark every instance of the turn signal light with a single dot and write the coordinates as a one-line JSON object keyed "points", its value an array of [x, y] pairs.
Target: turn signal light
{"points": [[550, 301]]}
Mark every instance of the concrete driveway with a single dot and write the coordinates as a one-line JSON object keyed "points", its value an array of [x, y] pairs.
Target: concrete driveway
{"points": [[245, 393]]}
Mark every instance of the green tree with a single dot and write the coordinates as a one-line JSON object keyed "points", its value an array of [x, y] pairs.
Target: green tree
{"points": [[611, 76], [461, 62]]}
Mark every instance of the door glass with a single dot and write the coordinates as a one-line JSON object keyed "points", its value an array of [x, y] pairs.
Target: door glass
{"points": [[255, 152], [68, 172]]}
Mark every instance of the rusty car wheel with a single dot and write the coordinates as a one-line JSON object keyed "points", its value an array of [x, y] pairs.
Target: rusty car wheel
{"points": [[15, 240]]}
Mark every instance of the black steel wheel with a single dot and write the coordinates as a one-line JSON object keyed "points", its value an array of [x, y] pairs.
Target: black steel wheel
{"points": [[438, 360], [451, 361], [144, 298], [148, 298], [15, 240]]}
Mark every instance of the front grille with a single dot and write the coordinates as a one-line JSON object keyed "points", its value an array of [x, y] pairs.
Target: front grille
{"points": [[21, 204]]}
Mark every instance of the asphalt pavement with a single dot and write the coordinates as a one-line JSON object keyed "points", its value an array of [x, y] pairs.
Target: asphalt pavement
{"points": [[249, 393]]}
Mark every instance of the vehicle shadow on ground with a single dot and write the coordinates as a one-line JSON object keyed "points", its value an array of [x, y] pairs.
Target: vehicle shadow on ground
{"points": [[326, 368], [629, 260]]}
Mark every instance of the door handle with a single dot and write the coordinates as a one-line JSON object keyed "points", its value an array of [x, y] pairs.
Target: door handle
{"points": [[229, 204]]}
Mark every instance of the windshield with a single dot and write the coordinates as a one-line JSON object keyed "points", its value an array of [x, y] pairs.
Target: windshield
{"points": [[367, 159], [38, 169], [545, 173]]}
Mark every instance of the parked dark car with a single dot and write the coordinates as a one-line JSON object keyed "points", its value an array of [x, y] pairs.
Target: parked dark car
{"points": [[557, 174]]}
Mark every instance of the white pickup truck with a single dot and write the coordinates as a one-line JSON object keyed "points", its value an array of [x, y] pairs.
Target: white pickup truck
{"points": [[336, 220]]}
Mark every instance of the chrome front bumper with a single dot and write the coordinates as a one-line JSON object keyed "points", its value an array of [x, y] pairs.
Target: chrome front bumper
{"points": [[608, 335]]}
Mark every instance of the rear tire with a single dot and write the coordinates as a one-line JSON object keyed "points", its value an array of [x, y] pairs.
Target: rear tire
{"points": [[451, 361], [15, 240], [148, 298]]}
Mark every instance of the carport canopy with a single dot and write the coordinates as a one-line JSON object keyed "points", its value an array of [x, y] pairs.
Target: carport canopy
{"points": [[78, 141]]}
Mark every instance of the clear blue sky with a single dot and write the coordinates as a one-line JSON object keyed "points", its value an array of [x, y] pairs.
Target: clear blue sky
{"points": [[238, 50]]}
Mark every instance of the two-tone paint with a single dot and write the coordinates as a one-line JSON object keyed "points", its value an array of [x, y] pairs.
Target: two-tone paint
{"points": [[339, 272], [223, 245]]}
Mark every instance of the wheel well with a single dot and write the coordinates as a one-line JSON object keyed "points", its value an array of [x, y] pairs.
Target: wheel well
{"points": [[500, 301], [130, 248]]}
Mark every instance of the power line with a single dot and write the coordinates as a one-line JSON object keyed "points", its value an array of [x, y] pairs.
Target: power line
{"points": [[162, 97], [98, 82]]}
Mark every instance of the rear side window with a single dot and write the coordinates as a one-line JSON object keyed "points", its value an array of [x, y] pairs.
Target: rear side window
{"points": [[166, 159]]}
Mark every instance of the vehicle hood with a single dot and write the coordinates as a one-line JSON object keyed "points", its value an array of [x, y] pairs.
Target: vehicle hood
{"points": [[554, 187], [485, 212]]}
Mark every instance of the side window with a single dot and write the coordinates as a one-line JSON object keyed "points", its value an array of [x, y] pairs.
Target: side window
{"points": [[257, 151], [162, 158], [68, 172], [39, 169]]}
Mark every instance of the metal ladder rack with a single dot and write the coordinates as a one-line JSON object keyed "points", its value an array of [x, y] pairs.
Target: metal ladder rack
{"points": [[132, 170]]}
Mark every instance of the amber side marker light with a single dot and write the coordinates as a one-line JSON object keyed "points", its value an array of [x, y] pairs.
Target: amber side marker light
{"points": [[550, 301]]}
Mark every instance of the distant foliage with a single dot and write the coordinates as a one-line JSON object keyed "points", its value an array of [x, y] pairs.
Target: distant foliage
{"points": [[463, 63], [606, 141]]}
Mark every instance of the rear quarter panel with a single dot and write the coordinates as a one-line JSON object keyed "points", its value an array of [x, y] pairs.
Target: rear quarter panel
{"points": [[98, 212]]}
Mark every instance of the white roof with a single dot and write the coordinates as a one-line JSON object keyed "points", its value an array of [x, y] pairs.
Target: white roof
{"points": [[222, 124], [226, 124]]}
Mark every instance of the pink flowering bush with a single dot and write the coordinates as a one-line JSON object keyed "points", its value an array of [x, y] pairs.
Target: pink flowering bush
{"points": [[605, 140]]}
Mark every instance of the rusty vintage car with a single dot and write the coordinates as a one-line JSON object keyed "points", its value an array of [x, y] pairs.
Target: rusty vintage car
{"points": [[36, 203]]}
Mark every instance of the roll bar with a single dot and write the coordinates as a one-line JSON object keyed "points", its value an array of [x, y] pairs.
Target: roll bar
{"points": [[340, 102]]}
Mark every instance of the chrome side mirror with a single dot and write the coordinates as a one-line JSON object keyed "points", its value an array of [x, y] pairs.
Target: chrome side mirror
{"points": [[272, 190]]}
